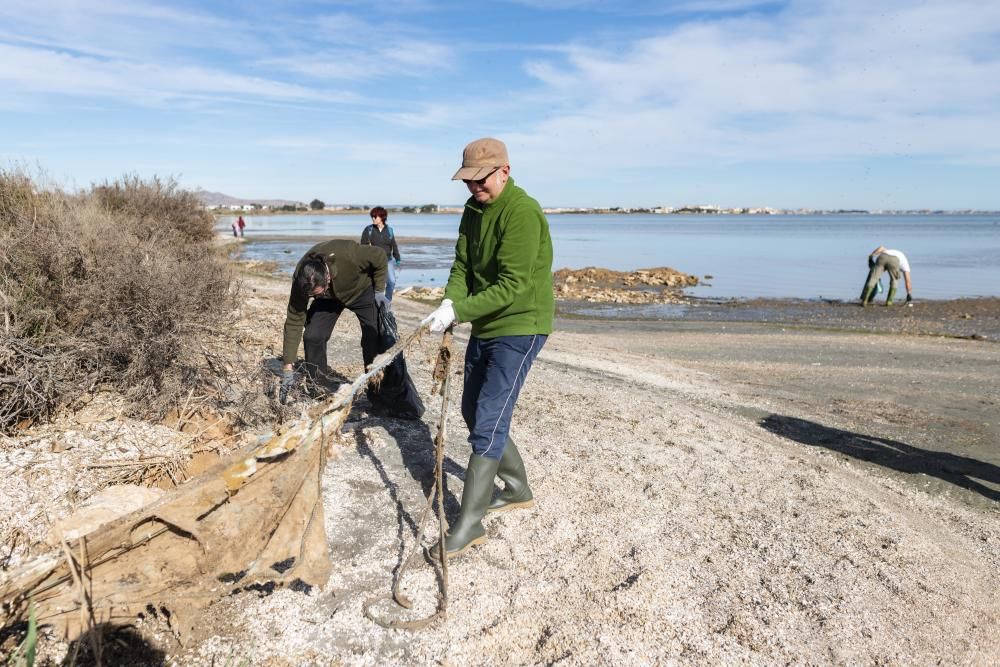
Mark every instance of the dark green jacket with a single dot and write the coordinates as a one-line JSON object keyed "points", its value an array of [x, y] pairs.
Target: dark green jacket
{"points": [[355, 268], [501, 280]]}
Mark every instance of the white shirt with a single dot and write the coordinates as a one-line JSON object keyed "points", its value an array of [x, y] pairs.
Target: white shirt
{"points": [[904, 264]]}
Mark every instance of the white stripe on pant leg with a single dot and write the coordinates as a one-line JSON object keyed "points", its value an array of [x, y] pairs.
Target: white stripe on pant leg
{"points": [[497, 423]]}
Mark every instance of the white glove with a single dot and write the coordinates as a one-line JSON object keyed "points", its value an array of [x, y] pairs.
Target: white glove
{"points": [[440, 318]]}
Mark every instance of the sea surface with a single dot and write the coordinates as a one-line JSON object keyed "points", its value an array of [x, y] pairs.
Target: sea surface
{"points": [[742, 256]]}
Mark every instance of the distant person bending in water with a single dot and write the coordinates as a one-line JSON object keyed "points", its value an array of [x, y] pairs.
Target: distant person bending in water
{"points": [[235, 227], [895, 263]]}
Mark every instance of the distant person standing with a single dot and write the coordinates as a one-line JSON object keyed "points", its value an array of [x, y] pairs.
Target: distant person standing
{"points": [[379, 234], [241, 223], [236, 228], [501, 282], [894, 263]]}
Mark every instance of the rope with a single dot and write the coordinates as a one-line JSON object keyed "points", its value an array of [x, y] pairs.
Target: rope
{"points": [[442, 383]]}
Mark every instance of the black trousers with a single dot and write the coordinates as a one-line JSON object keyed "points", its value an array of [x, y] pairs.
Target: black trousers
{"points": [[322, 317]]}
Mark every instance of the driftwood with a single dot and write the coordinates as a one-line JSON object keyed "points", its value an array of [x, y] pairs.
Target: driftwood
{"points": [[256, 517]]}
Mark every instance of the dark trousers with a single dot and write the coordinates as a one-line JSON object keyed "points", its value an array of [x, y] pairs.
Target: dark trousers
{"points": [[495, 370], [320, 320]]}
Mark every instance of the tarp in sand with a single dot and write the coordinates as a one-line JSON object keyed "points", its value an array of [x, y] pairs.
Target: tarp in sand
{"points": [[254, 518]]}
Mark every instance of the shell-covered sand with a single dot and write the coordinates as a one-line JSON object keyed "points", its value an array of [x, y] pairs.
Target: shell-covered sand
{"points": [[670, 526]]}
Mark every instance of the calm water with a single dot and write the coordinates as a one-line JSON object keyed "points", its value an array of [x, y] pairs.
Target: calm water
{"points": [[747, 256]]}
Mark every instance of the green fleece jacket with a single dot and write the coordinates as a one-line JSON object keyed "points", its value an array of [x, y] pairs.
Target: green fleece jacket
{"points": [[501, 280], [354, 268]]}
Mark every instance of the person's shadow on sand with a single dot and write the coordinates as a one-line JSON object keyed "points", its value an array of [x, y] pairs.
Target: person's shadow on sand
{"points": [[416, 448], [958, 470]]}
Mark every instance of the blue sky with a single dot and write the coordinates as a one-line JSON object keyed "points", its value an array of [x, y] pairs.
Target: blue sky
{"points": [[873, 104]]}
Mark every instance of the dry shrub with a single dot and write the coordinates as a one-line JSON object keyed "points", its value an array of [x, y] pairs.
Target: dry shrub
{"points": [[158, 206], [32, 381], [122, 285]]}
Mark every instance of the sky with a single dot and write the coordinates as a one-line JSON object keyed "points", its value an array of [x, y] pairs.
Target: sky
{"points": [[875, 104]]}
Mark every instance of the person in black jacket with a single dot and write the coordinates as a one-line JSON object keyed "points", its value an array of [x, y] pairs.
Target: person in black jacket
{"points": [[334, 275], [379, 234]]}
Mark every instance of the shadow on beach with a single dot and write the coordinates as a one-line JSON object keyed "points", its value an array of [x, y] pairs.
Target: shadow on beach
{"points": [[962, 471]]}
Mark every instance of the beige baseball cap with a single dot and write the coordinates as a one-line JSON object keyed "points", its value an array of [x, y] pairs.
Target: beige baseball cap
{"points": [[480, 158]]}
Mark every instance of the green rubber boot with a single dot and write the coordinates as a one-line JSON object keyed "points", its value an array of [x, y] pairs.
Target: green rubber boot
{"points": [[866, 295], [468, 530], [516, 493], [892, 293]]}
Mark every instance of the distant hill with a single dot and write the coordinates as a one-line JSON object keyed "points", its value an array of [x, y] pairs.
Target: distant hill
{"points": [[220, 199]]}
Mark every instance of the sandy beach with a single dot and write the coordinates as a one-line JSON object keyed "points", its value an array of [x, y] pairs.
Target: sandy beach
{"points": [[709, 490], [735, 451], [707, 493]]}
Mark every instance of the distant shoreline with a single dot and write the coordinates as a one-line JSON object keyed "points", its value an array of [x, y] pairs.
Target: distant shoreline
{"points": [[293, 238], [633, 211]]}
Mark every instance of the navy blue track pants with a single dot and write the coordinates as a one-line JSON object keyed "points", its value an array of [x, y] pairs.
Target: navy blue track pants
{"points": [[495, 370]]}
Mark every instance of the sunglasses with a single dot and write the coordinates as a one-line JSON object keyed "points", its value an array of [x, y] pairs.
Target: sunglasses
{"points": [[480, 181]]}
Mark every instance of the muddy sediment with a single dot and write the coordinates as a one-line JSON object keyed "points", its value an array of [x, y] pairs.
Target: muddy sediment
{"points": [[977, 318]]}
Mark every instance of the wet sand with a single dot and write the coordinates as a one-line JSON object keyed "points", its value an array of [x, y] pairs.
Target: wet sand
{"points": [[913, 392], [923, 407], [977, 318]]}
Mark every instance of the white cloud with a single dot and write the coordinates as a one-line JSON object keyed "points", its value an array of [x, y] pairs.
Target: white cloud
{"points": [[409, 58], [434, 115], [818, 81], [647, 7], [114, 28], [351, 47], [38, 71]]}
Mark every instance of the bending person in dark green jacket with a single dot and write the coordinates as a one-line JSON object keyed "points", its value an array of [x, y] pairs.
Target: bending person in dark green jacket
{"points": [[334, 275], [501, 282]]}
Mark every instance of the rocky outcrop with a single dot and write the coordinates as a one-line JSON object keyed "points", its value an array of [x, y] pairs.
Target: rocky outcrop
{"points": [[597, 285]]}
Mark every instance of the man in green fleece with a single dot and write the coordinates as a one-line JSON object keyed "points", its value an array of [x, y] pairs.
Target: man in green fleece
{"points": [[334, 274], [501, 282]]}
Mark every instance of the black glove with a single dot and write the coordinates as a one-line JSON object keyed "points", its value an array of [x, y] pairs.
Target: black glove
{"points": [[909, 298], [287, 382]]}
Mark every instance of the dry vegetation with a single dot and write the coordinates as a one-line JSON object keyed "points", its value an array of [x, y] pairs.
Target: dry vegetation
{"points": [[120, 287]]}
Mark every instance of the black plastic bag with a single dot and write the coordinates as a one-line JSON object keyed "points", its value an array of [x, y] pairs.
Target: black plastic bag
{"points": [[396, 393]]}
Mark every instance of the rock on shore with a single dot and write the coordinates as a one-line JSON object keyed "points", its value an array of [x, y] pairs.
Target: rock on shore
{"points": [[597, 285]]}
